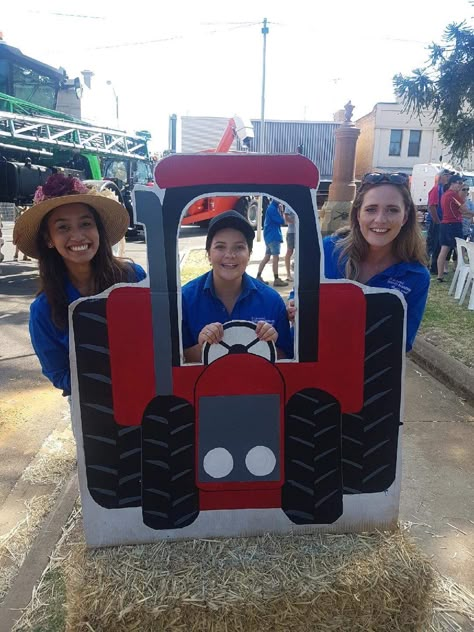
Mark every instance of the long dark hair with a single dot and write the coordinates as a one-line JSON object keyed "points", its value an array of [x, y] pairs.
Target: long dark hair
{"points": [[106, 270], [407, 246]]}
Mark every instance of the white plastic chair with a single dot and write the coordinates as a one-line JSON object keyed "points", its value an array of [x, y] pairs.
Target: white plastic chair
{"points": [[462, 269], [470, 276]]}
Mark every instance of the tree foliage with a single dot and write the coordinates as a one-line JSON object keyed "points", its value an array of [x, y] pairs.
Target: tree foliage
{"points": [[444, 88]]}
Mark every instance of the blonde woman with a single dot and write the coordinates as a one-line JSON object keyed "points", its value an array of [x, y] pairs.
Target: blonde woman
{"points": [[384, 246]]}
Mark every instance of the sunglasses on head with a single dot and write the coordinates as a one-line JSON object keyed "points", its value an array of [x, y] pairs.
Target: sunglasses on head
{"points": [[392, 178]]}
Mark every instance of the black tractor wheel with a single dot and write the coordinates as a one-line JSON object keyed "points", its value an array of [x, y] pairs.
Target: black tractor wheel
{"points": [[112, 452], [252, 213], [312, 493], [170, 495], [241, 206], [370, 436], [249, 209]]}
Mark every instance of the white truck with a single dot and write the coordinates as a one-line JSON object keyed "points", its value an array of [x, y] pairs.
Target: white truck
{"points": [[425, 176]]}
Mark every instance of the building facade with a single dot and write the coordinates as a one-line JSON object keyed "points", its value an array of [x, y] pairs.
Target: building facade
{"points": [[393, 140], [313, 139]]}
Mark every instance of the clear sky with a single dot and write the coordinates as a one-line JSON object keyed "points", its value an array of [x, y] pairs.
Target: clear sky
{"points": [[205, 58]]}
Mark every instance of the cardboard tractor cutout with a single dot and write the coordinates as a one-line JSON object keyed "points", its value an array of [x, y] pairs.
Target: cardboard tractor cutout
{"points": [[241, 443]]}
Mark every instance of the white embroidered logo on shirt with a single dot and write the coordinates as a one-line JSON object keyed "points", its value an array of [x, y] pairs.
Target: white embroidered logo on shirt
{"points": [[396, 284]]}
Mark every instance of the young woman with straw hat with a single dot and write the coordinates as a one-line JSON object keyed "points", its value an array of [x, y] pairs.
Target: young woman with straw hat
{"points": [[70, 229]]}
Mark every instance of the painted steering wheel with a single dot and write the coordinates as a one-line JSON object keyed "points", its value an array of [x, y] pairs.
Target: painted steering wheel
{"points": [[239, 337]]}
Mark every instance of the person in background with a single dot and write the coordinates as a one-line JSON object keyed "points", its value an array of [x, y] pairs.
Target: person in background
{"points": [[434, 219], [467, 225], [228, 293], [453, 208], [290, 217], [273, 239], [383, 246], [70, 229], [18, 212]]}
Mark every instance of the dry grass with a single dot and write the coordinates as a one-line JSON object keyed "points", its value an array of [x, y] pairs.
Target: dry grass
{"points": [[15, 545], [54, 460], [364, 582], [453, 607], [47, 610], [326, 583], [193, 265], [51, 466]]}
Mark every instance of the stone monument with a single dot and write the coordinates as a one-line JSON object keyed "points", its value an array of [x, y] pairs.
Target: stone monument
{"points": [[335, 211]]}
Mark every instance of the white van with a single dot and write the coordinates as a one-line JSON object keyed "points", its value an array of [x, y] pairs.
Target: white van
{"points": [[423, 179], [425, 176]]}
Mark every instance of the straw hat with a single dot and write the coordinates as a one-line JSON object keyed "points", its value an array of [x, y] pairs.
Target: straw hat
{"points": [[60, 190]]}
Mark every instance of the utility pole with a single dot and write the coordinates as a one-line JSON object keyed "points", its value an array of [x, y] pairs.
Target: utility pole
{"points": [[265, 30]]}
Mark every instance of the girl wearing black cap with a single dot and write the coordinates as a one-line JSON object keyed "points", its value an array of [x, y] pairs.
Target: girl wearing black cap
{"points": [[228, 293]]}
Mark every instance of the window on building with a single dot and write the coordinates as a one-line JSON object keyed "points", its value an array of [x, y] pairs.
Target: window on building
{"points": [[395, 142], [414, 142]]}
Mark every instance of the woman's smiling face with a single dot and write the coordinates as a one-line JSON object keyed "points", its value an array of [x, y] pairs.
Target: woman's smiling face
{"points": [[382, 215], [73, 232]]}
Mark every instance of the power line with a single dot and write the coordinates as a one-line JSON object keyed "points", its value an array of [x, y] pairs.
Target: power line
{"points": [[227, 23], [68, 15], [234, 28], [168, 39], [143, 43]]}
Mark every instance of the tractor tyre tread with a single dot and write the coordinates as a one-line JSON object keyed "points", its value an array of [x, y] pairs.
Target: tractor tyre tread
{"points": [[112, 452], [170, 495], [370, 436], [312, 492]]}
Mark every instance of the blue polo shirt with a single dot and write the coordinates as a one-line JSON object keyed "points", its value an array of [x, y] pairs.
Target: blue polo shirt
{"points": [[412, 279], [256, 302], [51, 344], [273, 223]]}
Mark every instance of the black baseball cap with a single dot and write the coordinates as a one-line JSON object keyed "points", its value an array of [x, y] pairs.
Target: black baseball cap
{"points": [[230, 219], [454, 179]]}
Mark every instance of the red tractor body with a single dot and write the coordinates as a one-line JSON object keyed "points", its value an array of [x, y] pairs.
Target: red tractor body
{"points": [[240, 431]]}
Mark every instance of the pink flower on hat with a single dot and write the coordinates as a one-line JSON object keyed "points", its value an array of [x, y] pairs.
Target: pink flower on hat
{"points": [[79, 187], [59, 185]]}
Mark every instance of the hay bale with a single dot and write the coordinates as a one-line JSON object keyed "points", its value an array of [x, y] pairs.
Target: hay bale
{"points": [[371, 582]]}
